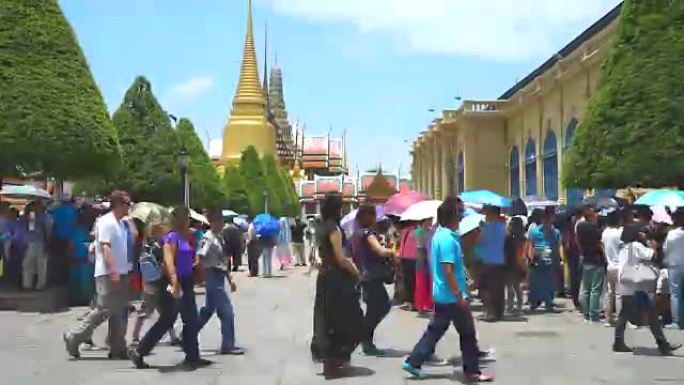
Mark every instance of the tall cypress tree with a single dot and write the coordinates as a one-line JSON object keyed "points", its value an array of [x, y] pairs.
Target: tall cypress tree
{"points": [[633, 132], [150, 169], [52, 116], [205, 185], [235, 187], [275, 187], [252, 171]]}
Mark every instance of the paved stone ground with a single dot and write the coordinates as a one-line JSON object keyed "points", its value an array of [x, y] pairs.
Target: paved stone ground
{"points": [[274, 325]]}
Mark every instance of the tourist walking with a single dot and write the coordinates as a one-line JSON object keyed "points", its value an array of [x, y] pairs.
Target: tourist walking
{"points": [[545, 240], [337, 313], [515, 249], [297, 231], [423, 296], [490, 252], [638, 278], [674, 259], [234, 245], [38, 227], [572, 256], [216, 273], [150, 263], [283, 252], [267, 243], [111, 282], [375, 261], [253, 251], [451, 298], [408, 254], [611, 241], [177, 295], [593, 264]]}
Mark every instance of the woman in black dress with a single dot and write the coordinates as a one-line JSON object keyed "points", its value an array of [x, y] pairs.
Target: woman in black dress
{"points": [[337, 312]]}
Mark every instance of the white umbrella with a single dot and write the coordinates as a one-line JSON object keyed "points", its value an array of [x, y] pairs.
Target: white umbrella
{"points": [[470, 223], [229, 213], [194, 215], [421, 210], [24, 192]]}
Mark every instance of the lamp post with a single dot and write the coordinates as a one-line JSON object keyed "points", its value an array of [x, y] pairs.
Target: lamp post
{"points": [[183, 162], [265, 193]]}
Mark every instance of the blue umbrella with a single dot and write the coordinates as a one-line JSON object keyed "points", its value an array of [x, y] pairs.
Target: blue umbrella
{"points": [[485, 197], [266, 225], [667, 198]]}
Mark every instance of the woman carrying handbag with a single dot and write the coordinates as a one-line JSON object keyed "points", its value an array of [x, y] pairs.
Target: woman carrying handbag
{"points": [[638, 278]]}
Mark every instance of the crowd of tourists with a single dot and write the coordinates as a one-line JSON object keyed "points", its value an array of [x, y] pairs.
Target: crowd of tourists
{"points": [[619, 263]]}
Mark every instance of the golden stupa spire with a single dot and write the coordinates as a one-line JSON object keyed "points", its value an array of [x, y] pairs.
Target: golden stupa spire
{"points": [[248, 125], [249, 88]]}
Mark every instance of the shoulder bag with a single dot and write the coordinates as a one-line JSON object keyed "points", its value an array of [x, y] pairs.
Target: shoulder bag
{"points": [[638, 275]]}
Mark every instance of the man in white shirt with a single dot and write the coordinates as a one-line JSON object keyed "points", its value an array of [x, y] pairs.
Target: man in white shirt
{"points": [[611, 247], [111, 282], [674, 259]]}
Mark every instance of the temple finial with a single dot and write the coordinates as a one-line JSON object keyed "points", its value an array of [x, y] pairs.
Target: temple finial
{"points": [[266, 68], [249, 87]]}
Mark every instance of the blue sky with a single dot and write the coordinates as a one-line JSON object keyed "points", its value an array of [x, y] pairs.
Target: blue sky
{"points": [[372, 67]]}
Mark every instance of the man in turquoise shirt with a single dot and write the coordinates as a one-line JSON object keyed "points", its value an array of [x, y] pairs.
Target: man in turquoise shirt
{"points": [[450, 295]]}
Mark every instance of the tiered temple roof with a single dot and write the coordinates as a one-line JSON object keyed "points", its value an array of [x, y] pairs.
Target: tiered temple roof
{"points": [[276, 100]]}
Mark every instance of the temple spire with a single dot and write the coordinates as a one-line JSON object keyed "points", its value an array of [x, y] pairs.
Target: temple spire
{"points": [[249, 87], [268, 105], [248, 124]]}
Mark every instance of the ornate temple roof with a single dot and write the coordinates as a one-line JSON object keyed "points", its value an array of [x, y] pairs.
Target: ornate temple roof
{"points": [[380, 188]]}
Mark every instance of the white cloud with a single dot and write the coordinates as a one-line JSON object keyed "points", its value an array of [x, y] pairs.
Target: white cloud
{"points": [[192, 88], [491, 29]]}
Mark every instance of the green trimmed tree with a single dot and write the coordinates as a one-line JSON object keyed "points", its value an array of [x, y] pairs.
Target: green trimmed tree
{"points": [[52, 117], [235, 187], [150, 147], [205, 185], [633, 132], [274, 185], [291, 200], [252, 172]]}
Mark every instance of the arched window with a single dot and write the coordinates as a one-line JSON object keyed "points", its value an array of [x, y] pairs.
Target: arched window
{"points": [[574, 195], [550, 167], [570, 133], [530, 168], [514, 166], [460, 169]]}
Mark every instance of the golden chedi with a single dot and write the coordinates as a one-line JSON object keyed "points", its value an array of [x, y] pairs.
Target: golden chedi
{"points": [[248, 124]]}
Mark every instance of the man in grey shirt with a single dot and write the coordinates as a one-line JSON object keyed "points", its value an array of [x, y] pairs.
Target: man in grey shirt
{"points": [[216, 271]]}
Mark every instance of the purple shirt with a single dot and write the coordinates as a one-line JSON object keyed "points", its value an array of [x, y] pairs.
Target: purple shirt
{"points": [[184, 253]]}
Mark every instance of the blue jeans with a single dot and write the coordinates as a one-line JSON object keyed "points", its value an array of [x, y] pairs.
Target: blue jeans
{"points": [[462, 319], [377, 306], [266, 264], [217, 301], [676, 278], [170, 308]]}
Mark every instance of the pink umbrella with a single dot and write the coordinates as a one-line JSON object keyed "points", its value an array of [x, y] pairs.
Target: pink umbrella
{"points": [[400, 202]]}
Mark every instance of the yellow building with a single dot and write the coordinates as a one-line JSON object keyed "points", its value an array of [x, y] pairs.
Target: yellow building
{"points": [[248, 124], [514, 145]]}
